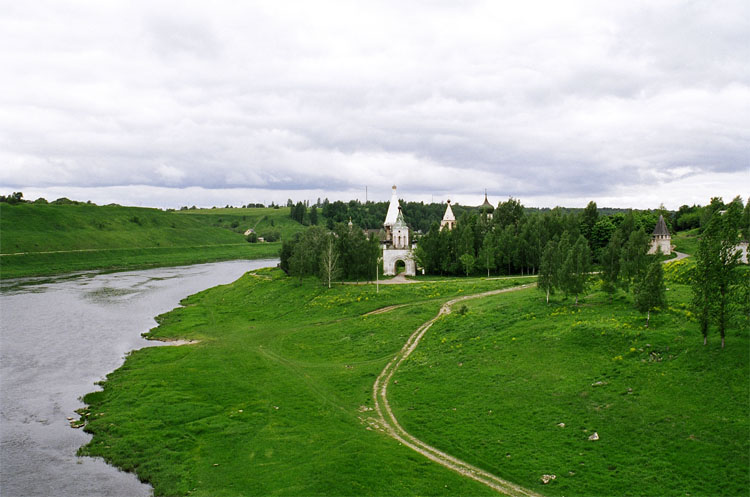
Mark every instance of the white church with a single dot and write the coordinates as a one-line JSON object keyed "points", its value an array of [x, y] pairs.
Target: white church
{"points": [[396, 246]]}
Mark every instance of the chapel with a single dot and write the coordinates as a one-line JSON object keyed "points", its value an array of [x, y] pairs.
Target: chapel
{"points": [[397, 247]]}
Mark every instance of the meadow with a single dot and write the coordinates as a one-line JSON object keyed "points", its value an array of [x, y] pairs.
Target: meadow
{"points": [[37, 240], [276, 398]]}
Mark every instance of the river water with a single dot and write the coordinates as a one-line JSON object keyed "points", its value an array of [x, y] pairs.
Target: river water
{"points": [[57, 338]]}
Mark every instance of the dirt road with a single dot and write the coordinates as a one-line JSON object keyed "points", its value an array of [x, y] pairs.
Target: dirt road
{"points": [[387, 422]]}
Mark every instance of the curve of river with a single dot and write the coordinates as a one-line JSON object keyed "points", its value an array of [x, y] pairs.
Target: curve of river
{"points": [[58, 336]]}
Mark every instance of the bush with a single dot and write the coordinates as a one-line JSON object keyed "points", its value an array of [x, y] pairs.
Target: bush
{"points": [[271, 235]]}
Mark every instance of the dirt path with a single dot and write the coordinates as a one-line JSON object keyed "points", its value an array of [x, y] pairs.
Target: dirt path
{"points": [[387, 422], [680, 256]]}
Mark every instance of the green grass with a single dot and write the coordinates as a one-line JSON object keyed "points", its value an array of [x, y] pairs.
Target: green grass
{"points": [[270, 401], [260, 219], [491, 387], [686, 241], [36, 264], [172, 413], [38, 240]]}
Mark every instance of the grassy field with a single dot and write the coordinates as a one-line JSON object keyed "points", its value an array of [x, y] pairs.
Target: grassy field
{"points": [[40, 240], [274, 399], [262, 220], [686, 241], [492, 386]]}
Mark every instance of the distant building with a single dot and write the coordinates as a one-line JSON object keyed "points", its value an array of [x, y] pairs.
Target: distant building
{"points": [[449, 220], [486, 209], [396, 246], [249, 231], [660, 238]]}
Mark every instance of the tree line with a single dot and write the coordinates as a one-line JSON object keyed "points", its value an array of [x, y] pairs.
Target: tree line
{"points": [[345, 252], [721, 286], [513, 240]]}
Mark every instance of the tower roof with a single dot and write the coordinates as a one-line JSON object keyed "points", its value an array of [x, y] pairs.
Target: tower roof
{"points": [[400, 223], [486, 206], [661, 227], [393, 207], [448, 216]]}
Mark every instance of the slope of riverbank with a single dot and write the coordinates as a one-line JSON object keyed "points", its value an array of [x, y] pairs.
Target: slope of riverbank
{"points": [[40, 240]]}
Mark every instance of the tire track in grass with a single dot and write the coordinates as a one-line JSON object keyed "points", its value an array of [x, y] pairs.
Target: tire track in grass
{"points": [[388, 423]]}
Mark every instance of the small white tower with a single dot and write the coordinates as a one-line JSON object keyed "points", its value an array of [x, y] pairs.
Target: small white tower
{"points": [[400, 232], [391, 216], [449, 220], [660, 238]]}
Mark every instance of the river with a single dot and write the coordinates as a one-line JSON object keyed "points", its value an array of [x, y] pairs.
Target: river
{"points": [[58, 337]]}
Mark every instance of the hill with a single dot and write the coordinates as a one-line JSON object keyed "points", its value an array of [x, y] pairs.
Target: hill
{"points": [[44, 239]]}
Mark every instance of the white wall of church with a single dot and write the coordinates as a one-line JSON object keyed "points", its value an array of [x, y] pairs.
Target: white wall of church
{"points": [[392, 255]]}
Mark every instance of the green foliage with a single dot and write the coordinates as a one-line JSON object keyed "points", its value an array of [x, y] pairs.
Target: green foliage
{"points": [[717, 275], [575, 270], [650, 292], [13, 198], [589, 218], [467, 261], [633, 258]]}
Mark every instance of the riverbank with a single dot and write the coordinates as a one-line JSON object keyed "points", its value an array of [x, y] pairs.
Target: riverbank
{"points": [[46, 239], [55, 263], [59, 337], [277, 396]]}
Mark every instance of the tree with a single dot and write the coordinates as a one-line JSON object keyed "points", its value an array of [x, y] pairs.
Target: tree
{"points": [[508, 213], [704, 283], [601, 233], [717, 271], [487, 253], [633, 258], [547, 271], [576, 268], [649, 291], [589, 217], [314, 214], [329, 262], [305, 259], [610, 259], [745, 224], [467, 261]]}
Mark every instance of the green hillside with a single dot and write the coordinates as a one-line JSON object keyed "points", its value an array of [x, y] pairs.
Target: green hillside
{"points": [[262, 220], [39, 239], [277, 398]]}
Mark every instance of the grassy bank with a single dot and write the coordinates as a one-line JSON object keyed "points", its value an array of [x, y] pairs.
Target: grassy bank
{"points": [[44, 264], [275, 398], [262, 220], [493, 385], [38, 240]]}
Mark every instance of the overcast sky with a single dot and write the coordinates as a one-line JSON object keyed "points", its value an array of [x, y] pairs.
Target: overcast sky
{"points": [[164, 104]]}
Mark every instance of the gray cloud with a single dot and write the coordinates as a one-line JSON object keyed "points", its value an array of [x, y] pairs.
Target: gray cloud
{"points": [[542, 101]]}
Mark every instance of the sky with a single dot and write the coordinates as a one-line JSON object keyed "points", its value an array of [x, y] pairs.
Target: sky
{"points": [[164, 104]]}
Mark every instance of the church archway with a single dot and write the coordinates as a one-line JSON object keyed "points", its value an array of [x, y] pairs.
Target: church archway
{"points": [[400, 266]]}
